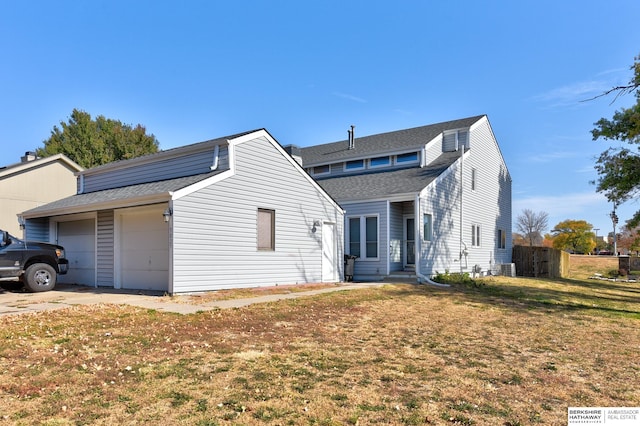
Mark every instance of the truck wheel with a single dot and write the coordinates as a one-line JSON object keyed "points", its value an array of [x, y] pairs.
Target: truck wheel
{"points": [[40, 277]]}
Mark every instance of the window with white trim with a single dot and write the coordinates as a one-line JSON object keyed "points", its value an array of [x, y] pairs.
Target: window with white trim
{"points": [[475, 235], [380, 161], [502, 239], [410, 157], [266, 230], [363, 237], [321, 170], [474, 176], [354, 165], [427, 223]]}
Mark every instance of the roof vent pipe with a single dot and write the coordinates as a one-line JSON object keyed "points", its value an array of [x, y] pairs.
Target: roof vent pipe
{"points": [[352, 138]]}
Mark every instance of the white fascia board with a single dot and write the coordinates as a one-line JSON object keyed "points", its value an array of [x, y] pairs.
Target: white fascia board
{"points": [[22, 167], [176, 195], [106, 205], [485, 120], [482, 120]]}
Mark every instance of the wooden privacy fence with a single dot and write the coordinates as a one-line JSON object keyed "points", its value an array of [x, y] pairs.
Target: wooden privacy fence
{"points": [[544, 262]]}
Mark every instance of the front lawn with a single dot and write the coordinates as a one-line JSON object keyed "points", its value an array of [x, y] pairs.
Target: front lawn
{"points": [[509, 352]]}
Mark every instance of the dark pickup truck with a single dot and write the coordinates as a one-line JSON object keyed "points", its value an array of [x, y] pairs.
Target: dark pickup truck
{"points": [[35, 264]]}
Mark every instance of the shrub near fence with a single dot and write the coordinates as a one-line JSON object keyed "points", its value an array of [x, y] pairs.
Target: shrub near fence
{"points": [[544, 262]]}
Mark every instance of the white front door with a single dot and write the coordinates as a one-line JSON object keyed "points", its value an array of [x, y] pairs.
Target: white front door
{"points": [[329, 252], [409, 241]]}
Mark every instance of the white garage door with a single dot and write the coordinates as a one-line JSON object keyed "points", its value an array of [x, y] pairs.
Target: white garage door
{"points": [[78, 237], [144, 250]]}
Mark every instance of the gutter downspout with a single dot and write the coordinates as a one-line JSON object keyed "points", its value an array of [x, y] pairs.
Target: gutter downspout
{"points": [[418, 248], [216, 157], [462, 251]]}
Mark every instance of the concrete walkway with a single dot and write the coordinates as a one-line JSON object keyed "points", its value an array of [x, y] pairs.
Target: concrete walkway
{"points": [[64, 296]]}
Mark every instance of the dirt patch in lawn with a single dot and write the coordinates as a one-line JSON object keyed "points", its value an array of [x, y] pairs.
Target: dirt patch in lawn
{"points": [[510, 352]]}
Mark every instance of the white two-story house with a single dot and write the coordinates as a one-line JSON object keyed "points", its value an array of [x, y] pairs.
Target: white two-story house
{"points": [[419, 201]]}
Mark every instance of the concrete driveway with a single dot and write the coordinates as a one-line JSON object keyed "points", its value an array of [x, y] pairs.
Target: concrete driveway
{"points": [[64, 296]]}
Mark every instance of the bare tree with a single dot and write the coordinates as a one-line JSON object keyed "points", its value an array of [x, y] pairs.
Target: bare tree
{"points": [[532, 225]]}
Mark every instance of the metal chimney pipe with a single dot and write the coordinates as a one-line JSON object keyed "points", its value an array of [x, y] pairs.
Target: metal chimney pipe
{"points": [[353, 137]]}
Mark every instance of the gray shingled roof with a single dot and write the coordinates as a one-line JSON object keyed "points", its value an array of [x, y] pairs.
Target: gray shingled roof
{"points": [[384, 184], [123, 195], [367, 146]]}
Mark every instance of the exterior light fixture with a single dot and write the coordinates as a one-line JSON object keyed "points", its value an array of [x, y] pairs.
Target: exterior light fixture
{"points": [[167, 214]]}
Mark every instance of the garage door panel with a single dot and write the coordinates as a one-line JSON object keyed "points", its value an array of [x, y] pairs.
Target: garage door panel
{"points": [[145, 260], [78, 239], [144, 251], [146, 240]]}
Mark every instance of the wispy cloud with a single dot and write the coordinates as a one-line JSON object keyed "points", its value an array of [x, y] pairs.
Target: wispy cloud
{"points": [[572, 94], [580, 205], [548, 157], [349, 97]]}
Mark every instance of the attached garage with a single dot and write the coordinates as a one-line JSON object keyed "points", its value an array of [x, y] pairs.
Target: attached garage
{"points": [[188, 219], [142, 260], [78, 237]]}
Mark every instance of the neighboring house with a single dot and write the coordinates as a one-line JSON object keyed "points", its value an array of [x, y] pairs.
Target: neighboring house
{"points": [[31, 183], [236, 211], [420, 201]]}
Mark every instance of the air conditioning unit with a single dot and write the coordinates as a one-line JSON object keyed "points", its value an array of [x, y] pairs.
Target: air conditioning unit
{"points": [[507, 269]]}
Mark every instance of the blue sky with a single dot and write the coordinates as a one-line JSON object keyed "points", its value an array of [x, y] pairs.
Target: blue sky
{"points": [[195, 70]]}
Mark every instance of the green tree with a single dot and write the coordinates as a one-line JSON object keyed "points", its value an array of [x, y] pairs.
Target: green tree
{"points": [[91, 142], [619, 168], [574, 235]]}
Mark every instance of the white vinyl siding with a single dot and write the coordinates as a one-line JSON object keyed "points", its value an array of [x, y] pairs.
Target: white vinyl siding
{"points": [[488, 207], [215, 227]]}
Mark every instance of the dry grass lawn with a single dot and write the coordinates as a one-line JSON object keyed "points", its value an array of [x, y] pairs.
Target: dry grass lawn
{"points": [[509, 352]]}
